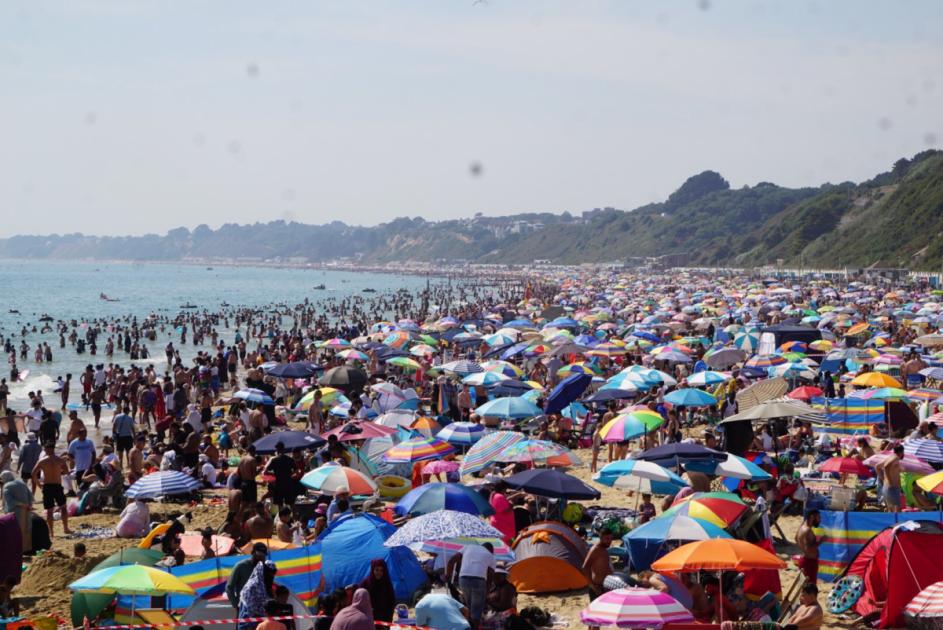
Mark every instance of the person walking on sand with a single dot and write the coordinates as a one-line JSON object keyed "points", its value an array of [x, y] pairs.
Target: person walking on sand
{"points": [[808, 544], [48, 475], [889, 472]]}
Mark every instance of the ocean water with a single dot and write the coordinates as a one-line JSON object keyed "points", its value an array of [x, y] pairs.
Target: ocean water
{"points": [[71, 290]]}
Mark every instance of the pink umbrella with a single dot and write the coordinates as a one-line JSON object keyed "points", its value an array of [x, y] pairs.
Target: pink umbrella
{"points": [[440, 466], [635, 608], [909, 463]]}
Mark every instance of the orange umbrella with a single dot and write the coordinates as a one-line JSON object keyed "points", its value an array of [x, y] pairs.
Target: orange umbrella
{"points": [[875, 379], [718, 554]]}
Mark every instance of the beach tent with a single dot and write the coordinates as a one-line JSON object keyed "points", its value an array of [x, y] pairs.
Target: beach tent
{"points": [[549, 559], [348, 546], [905, 556], [213, 605]]}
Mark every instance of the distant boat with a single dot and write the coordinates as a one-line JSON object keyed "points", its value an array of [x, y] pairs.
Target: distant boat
{"points": [[13, 310], [188, 305], [45, 318], [225, 304], [369, 290], [103, 296], [319, 287], [209, 269]]}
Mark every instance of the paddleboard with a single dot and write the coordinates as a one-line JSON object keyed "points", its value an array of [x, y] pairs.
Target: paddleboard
{"points": [[80, 406]]}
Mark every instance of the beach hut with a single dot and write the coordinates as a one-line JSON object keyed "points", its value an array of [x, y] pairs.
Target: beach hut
{"points": [[549, 559], [348, 546], [905, 555]]}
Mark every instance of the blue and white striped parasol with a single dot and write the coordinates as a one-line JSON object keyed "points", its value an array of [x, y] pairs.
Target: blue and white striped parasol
{"points": [[165, 483]]}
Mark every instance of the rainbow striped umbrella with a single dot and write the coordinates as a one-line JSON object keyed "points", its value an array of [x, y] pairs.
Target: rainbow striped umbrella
{"points": [[405, 363], [329, 397], [336, 342], [924, 393], [720, 508], [631, 425], [417, 449], [328, 478], [486, 450], [635, 608], [503, 367], [766, 361], [538, 452], [462, 433], [351, 354]]}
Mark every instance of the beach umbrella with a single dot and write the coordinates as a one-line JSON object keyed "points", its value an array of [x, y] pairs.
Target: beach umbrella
{"points": [[439, 466], [329, 397], [485, 450], [720, 508], [566, 391], [451, 546], [635, 608], [344, 376], [328, 478], [462, 368], [430, 497], [717, 554], [291, 440], [885, 393], [932, 483], [845, 466], [607, 395], [165, 483], [352, 354], [426, 426], [254, 396], [359, 430], [724, 358], [404, 363], [707, 377], [765, 362], [738, 467], [927, 604], [441, 525], [927, 450], [132, 579], [690, 397], [677, 453], [396, 418], [464, 433], [131, 555], [773, 409], [421, 350], [908, 463], [640, 476], [538, 452], [875, 379], [297, 369], [627, 426], [924, 393], [805, 393], [746, 342], [484, 378], [553, 484], [930, 341], [511, 407], [417, 449], [674, 527]]}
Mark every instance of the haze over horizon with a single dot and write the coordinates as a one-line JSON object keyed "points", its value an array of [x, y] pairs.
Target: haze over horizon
{"points": [[126, 118]]}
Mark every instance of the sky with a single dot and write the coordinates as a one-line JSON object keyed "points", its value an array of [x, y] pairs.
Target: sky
{"points": [[138, 117]]}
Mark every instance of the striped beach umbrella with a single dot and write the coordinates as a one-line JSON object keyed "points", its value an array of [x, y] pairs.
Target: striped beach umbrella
{"points": [[927, 450], [404, 363], [503, 367], [336, 343], [510, 407], [484, 378], [932, 483], [462, 368], [254, 396], [538, 452], [640, 476], [166, 483], [927, 603], [720, 508], [707, 377], [635, 608], [417, 449], [464, 433], [748, 342], [677, 527], [328, 478], [352, 354], [452, 546], [628, 426], [427, 426], [485, 450], [430, 497], [765, 361], [131, 579], [329, 397]]}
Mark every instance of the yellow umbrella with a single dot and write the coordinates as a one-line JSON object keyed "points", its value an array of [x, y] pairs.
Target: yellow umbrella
{"points": [[875, 379]]}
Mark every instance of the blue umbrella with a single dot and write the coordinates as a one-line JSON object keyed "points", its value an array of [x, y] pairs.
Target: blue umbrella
{"points": [[671, 455], [690, 397], [292, 440], [647, 336], [566, 391], [606, 395], [461, 433], [166, 483], [441, 525], [298, 369], [520, 323], [549, 482], [255, 396], [510, 387], [640, 476], [430, 497], [463, 367], [515, 350], [512, 407]]}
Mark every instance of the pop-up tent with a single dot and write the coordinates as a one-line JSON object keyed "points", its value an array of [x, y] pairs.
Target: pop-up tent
{"points": [[895, 565], [348, 546], [549, 559]]}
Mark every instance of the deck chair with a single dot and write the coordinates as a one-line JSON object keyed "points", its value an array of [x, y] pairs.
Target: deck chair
{"points": [[159, 618]]}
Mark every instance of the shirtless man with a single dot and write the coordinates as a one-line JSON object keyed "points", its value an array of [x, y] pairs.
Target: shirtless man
{"points": [[597, 566], [808, 544], [701, 608], [136, 459], [889, 471], [261, 524], [48, 475], [809, 615], [248, 468]]}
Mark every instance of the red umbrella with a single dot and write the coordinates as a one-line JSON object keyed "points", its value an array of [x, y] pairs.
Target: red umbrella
{"points": [[846, 466], [805, 392], [352, 431]]}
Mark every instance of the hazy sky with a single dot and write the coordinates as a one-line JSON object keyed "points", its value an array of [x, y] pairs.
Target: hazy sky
{"points": [[132, 116]]}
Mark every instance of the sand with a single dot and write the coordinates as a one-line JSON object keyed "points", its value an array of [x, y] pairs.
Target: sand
{"points": [[44, 592]]}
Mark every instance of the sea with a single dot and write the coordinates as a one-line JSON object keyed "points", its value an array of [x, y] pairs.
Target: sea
{"points": [[71, 290]]}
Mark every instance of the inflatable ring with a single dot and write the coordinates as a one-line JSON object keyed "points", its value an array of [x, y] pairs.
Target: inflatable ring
{"points": [[846, 592], [393, 486]]}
